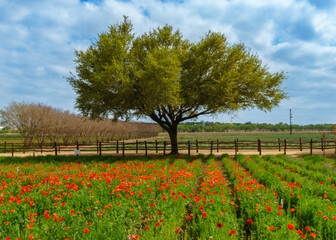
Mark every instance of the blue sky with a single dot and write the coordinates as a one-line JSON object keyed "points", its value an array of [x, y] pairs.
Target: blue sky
{"points": [[38, 39]]}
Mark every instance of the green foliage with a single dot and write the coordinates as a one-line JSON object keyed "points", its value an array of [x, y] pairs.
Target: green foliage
{"points": [[316, 158], [248, 126], [169, 79]]}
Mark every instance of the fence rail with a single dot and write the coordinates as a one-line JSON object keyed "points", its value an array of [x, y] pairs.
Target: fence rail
{"points": [[163, 147]]}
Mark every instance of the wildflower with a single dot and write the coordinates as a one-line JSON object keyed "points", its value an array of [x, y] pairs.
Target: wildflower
{"points": [[204, 214], [292, 209], [219, 225], [313, 235], [290, 226], [86, 230], [307, 228], [232, 232], [271, 228], [249, 220]]}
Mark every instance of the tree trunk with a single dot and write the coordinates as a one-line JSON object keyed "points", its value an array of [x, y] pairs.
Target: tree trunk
{"points": [[173, 139]]}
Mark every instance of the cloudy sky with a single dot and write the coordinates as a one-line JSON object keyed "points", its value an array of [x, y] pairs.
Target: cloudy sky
{"points": [[38, 39]]}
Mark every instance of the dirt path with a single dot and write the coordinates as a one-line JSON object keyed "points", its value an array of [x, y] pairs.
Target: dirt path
{"points": [[70, 152]]}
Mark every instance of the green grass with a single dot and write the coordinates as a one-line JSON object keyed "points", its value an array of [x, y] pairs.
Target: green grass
{"points": [[317, 158], [231, 136]]}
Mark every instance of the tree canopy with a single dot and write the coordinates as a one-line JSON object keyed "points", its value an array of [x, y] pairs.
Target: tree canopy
{"points": [[170, 79]]}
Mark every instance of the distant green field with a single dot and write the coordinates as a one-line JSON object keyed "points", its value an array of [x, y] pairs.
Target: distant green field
{"points": [[231, 136], [221, 136]]}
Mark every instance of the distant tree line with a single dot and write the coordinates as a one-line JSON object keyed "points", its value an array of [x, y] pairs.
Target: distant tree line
{"points": [[249, 127], [40, 123]]}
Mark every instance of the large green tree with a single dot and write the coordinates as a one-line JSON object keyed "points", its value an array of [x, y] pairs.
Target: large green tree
{"points": [[168, 78]]}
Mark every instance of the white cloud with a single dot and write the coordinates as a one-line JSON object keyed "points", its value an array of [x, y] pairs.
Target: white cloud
{"points": [[38, 39]]}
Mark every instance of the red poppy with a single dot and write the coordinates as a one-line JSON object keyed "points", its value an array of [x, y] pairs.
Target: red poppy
{"points": [[290, 226], [232, 232], [313, 235], [219, 225], [86, 230], [249, 220], [204, 214], [271, 228]]}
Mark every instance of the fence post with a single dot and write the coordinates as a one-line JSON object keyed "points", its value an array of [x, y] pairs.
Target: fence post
{"points": [[196, 146], [188, 147], [322, 147], [12, 149], [311, 146], [123, 149], [279, 143], [55, 146], [145, 148], [156, 146], [41, 148], [211, 147], [300, 145], [117, 146], [100, 150], [217, 145], [164, 148], [97, 147], [5, 147], [285, 147], [24, 147], [136, 146], [236, 147], [259, 146]]}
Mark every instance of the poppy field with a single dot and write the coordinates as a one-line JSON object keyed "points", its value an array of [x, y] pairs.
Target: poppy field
{"points": [[269, 197]]}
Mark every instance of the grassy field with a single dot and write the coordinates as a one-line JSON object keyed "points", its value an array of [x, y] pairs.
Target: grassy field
{"points": [[222, 136], [167, 198], [265, 136]]}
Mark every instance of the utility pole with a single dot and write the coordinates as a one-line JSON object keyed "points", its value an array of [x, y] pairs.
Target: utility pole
{"points": [[290, 121]]}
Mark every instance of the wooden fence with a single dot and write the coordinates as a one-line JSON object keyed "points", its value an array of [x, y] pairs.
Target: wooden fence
{"points": [[164, 147]]}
